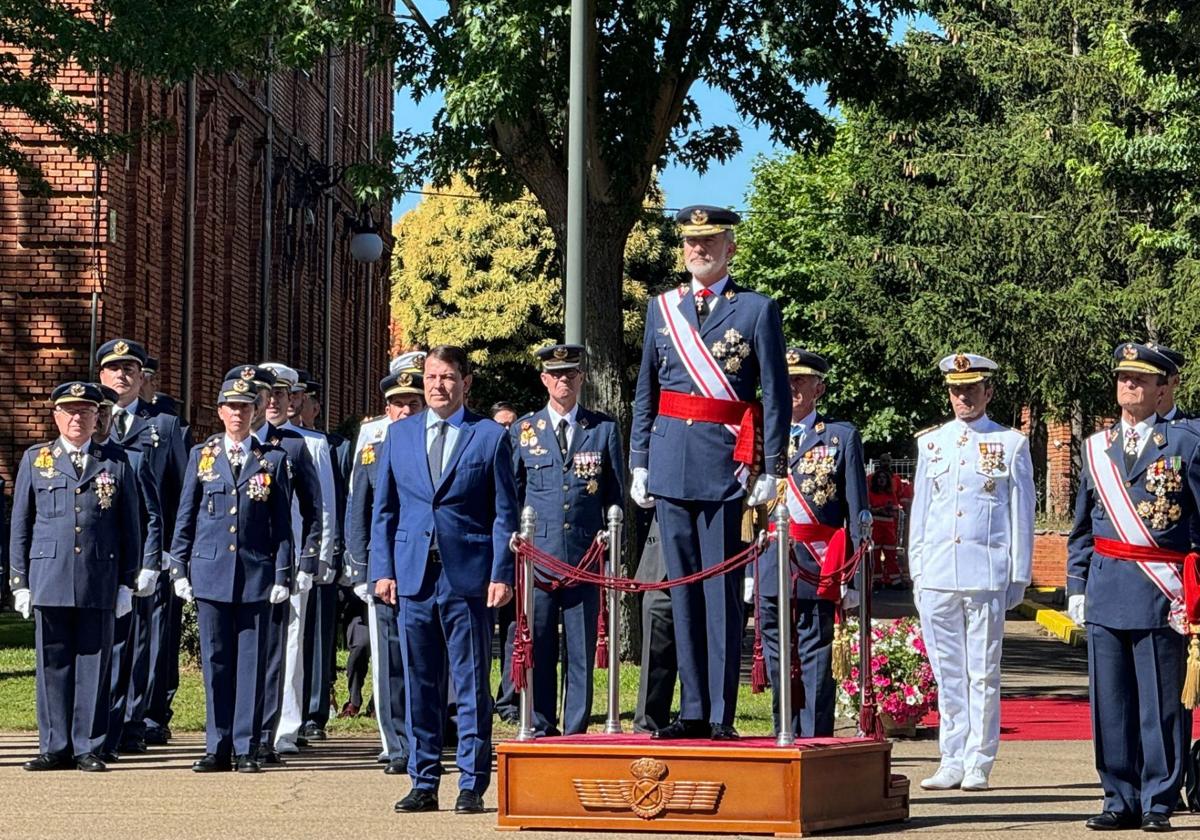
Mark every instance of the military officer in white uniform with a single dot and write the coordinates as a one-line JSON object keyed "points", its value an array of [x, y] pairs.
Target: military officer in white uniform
{"points": [[970, 556]]}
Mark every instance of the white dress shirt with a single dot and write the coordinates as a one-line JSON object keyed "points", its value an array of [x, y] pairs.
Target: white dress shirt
{"points": [[453, 422], [556, 418]]}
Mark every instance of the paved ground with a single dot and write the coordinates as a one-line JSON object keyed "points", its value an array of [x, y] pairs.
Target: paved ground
{"points": [[336, 790]]}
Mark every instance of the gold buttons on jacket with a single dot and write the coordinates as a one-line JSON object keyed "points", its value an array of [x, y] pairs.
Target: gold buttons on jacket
{"points": [[232, 547]]}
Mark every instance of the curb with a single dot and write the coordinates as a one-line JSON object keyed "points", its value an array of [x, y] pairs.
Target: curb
{"points": [[1058, 624]]}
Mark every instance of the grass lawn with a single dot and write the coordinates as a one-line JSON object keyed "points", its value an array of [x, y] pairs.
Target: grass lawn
{"points": [[17, 692]]}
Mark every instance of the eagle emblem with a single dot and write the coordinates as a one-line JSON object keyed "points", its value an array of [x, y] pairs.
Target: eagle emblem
{"points": [[120, 348], [247, 373], [648, 795], [78, 390], [241, 386], [1129, 352], [560, 353], [404, 380], [699, 217], [793, 357]]}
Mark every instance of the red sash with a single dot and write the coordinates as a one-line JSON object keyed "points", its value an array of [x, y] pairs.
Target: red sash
{"points": [[747, 416]]}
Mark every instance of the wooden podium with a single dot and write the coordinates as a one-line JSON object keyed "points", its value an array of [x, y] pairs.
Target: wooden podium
{"points": [[751, 786]]}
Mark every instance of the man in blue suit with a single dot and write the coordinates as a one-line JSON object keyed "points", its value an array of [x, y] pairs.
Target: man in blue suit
{"points": [[75, 549], [700, 446], [1135, 516], [232, 553], [570, 470], [164, 441], [445, 510], [827, 490]]}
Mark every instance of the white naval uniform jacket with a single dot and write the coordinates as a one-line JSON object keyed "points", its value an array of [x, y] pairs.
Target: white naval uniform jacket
{"points": [[971, 527]]}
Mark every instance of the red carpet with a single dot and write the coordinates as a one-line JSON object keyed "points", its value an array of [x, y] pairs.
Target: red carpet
{"points": [[638, 740], [1046, 719]]}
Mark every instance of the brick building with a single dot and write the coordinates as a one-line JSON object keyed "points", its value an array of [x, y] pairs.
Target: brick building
{"points": [[118, 230]]}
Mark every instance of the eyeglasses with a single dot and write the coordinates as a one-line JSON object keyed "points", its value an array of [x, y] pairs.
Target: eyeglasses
{"points": [[76, 411], [570, 373]]}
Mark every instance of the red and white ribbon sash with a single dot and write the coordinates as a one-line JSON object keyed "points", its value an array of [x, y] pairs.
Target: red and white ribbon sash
{"points": [[802, 514]]}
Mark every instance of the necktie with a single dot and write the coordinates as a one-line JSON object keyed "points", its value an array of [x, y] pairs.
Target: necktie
{"points": [[1131, 448], [121, 421], [236, 458], [436, 449], [702, 307], [77, 462], [561, 434]]}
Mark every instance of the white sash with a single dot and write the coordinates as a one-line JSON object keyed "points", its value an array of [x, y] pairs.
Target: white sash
{"points": [[704, 370], [1129, 525]]}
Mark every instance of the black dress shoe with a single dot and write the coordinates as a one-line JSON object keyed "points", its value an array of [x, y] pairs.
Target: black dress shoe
{"points": [[468, 802], [89, 763], [212, 763], [246, 764], [159, 736], [721, 732], [109, 757], [265, 755], [418, 800], [1112, 821], [134, 747], [1156, 822], [682, 729], [49, 761], [313, 732], [396, 768]]}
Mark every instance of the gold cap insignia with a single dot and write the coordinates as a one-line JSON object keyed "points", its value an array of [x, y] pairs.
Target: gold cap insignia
{"points": [[961, 362], [120, 348], [404, 380], [1129, 352], [699, 217], [560, 353], [247, 373], [241, 386], [793, 357], [77, 390]]}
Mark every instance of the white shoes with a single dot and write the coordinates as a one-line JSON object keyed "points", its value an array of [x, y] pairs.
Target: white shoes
{"points": [[946, 778], [975, 780]]}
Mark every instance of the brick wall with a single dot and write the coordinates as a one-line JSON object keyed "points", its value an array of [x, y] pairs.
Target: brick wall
{"points": [[1050, 558], [51, 263]]}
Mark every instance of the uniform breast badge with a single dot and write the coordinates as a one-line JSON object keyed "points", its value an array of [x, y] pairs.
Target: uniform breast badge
{"points": [[1164, 479], [259, 487], [368, 454], [154, 437], [541, 424], [935, 452], [106, 489], [208, 460], [819, 465], [44, 462], [593, 487], [731, 350], [587, 464]]}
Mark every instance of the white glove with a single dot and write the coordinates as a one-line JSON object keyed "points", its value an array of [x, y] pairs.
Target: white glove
{"points": [[637, 488], [21, 602], [766, 488], [1075, 609], [279, 594], [330, 574], [748, 589], [304, 581], [363, 592], [1016, 594], [850, 599], [124, 601], [146, 581], [183, 589]]}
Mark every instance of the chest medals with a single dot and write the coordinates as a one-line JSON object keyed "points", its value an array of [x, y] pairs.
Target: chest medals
{"points": [[1164, 478], [990, 463], [818, 466]]}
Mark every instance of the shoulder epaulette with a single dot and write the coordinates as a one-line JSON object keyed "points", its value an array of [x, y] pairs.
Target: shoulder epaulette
{"points": [[927, 430]]}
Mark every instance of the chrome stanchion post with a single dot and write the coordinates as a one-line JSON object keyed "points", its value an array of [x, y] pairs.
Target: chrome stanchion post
{"points": [[783, 684], [612, 726], [865, 521], [528, 528]]}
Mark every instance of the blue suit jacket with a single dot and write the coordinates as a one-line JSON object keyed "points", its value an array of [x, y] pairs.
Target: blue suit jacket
{"points": [[66, 548], [473, 508], [307, 487], [842, 443], [231, 547], [1119, 594], [696, 461], [571, 500]]}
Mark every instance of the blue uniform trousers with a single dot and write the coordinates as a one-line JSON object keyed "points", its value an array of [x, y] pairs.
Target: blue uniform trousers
{"points": [[698, 535], [320, 622], [166, 623], [137, 701], [387, 679], [73, 652], [272, 693], [814, 643], [439, 628], [124, 694], [1137, 719], [578, 606], [232, 649]]}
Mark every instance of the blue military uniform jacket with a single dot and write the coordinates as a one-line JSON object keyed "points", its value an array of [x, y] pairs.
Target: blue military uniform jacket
{"points": [[829, 471], [570, 498], [233, 540], [361, 508], [164, 443], [694, 461], [307, 487], [473, 508], [74, 539], [1119, 594]]}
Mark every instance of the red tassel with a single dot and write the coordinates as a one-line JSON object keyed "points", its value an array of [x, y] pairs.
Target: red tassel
{"points": [[758, 671], [869, 721], [602, 634], [522, 656]]}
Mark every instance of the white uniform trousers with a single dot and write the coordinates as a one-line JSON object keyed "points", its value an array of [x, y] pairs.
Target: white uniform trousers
{"points": [[291, 715], [964, 634]]}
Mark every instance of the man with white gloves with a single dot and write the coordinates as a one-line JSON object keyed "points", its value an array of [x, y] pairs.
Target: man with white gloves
{"points": [[232, 553], [702, 448], [970, 556], [75, 548]]}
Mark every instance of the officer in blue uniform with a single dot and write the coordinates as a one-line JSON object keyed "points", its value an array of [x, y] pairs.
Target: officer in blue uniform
{"points": [[569, 468], [1137, 501], [1167, 409], [75, 549], [405, 395], [445, 510], [157, 621], [123, 663], [825, 461], [232, 553], [159, 402], [699, 450]]}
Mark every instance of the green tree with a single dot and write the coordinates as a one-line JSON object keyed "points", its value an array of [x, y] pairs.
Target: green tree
{"points": [[488, 277]]}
